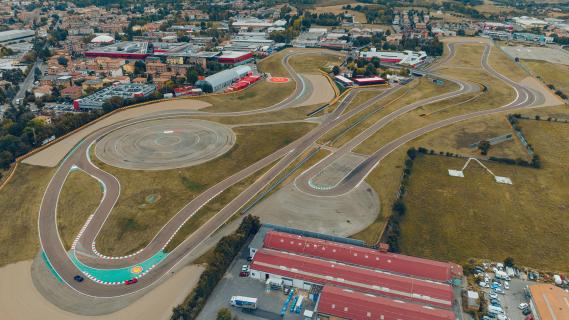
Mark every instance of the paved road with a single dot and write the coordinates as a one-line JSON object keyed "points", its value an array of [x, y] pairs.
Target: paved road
{"points": [[85, 249]]}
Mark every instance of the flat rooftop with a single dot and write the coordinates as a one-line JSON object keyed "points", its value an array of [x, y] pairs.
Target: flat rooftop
{"points": [[126, 47], [10, 35], [551, 302], [354, 277]]}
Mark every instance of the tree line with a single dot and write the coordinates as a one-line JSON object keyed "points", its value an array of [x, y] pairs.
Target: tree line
{"points": [[225, 251]]}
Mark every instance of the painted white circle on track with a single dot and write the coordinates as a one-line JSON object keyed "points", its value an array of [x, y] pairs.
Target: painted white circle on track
{"points": [[163, 144]]}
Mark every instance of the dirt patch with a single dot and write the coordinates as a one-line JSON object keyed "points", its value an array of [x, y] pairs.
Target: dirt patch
{"points": [[550, 99], [51, 156], [343, 215], [19, 299]]}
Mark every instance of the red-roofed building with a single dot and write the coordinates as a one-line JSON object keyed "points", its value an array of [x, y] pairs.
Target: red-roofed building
{"points": [[235, 57], [367, 257], [347, 304], [305, 271]]}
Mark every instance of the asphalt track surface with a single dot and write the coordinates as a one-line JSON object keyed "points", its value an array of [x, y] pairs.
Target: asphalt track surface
{"points": [[164, 144], [85, 247]]}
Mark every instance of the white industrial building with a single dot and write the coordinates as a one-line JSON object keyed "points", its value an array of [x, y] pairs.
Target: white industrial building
{"points": [[530, 22], [223, 79], [16, 35], [407, 57]]}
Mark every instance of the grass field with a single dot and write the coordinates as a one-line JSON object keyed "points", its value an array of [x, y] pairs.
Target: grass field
{"points": [[416, 90], [288, 114], [79, 198], [337, 9], [496, 95], [134, 222], [455, 219], [502, 63], [273, 65], [550, 73], [492, 8], [386, 177], [262, 94], [20, 200], [210, 209], [456, 138], [313, 63]]}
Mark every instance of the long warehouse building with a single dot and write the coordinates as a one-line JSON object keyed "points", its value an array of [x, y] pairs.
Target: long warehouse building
{"points": [[267, 263], [351, 280], [356, 255]]}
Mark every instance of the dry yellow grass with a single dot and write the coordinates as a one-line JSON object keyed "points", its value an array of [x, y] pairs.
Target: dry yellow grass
{"points": [[313, 63], [419, 89], [493, 8], [497, 95], [337, 9], [19, 206], [502, 63], [550, 73], [262, 94], [455, 219], [80, 196]]}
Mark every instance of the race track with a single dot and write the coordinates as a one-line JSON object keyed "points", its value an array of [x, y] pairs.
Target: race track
{"points": [[117, 142]]}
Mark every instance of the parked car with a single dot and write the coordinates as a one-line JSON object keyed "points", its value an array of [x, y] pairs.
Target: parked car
{"points": [[507, 285], [493, 295], [483, 284], [525, 312], [249, 258], [502, 317], [523, 306], [131, 281], [486, 318], [495, 302], [245, 268], [499, 291], [78, 278], [244, 274]]}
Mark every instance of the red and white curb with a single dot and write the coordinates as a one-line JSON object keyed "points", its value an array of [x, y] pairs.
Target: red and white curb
{"points": [[115, 283]]}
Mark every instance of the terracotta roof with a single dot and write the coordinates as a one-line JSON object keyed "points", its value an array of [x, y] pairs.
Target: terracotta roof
{"points": [[348, 304], [395, 263], [551, 302], [358, 278]]}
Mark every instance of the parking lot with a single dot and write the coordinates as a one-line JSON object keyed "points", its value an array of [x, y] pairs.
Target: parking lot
{"points": [[269, 301], [510, 299]]}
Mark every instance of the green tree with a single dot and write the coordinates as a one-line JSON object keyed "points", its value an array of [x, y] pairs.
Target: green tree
{"points": [[62, 61], [336, 70], [484, 147], [192, 76], [139, 67], [223, 314], [509, 262]]}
